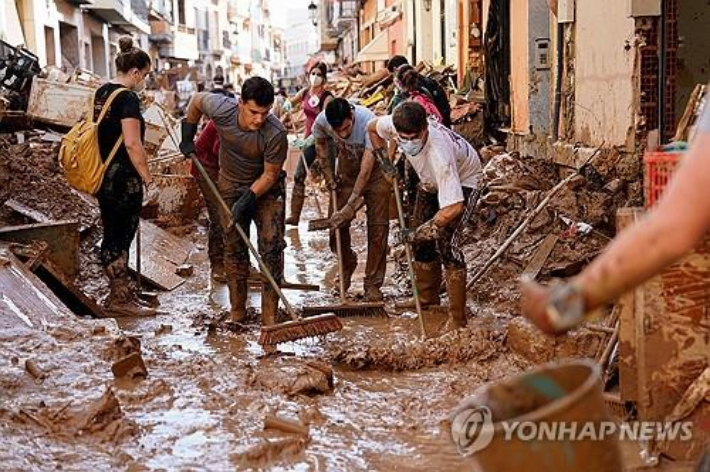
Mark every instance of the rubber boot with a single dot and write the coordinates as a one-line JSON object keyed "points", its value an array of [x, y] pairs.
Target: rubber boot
{"points": [[218, 274], [456, 288], [122, 300], [429, 283], [298, 196], [373, 294], [238, 292]]}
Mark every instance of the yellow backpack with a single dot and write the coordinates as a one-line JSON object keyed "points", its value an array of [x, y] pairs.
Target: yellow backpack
{"points": [[80, 155]]}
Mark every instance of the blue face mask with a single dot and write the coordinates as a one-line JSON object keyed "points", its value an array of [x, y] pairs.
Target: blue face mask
{"points": [[411, 147]]}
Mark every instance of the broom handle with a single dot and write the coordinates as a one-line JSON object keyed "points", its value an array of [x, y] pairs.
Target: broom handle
{"points": [[410, 260], [138, 257], [264, 270], [338, 240]]}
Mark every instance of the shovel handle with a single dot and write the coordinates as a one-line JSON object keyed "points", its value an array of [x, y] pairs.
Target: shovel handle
{"points": [[339, 249], [264, 270], [410, 259]]}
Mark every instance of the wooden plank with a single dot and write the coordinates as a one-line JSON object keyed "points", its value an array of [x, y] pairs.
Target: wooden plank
{"points": [[67, 291], [26, 304], [628, 339], [24, 210], [62, 238], [540, 257], [162, 254]]}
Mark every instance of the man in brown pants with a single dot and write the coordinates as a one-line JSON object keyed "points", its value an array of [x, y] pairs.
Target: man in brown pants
{"points": [[253, 149], [359, 180]]}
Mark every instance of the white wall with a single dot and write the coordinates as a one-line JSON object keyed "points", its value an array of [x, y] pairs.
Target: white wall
{"points": [[603, 72]]}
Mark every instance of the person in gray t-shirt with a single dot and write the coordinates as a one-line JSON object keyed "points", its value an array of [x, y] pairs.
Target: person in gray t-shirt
{"points": [[253, 148], [357, 179]]}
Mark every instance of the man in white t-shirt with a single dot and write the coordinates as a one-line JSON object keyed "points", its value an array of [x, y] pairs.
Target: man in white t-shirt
{"points": [[450, 174]]}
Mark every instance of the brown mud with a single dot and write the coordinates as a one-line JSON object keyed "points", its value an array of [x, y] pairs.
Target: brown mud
{"points": [[373, 396]]}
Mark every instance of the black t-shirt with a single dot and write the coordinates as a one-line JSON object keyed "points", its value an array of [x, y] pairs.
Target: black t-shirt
{"points": [[125, 105]]}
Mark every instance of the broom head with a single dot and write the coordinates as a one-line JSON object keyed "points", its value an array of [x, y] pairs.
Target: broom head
{"points": [[299, 329], [345, 310]]}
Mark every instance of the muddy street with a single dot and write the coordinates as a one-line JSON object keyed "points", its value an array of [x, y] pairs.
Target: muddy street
{"points": [[208, 390]]}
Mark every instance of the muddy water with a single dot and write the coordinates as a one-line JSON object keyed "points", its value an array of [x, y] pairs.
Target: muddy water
{"points": [[203, 404]]}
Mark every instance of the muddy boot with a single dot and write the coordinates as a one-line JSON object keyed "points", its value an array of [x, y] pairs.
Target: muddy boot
{"points": [[218, 275], [373, 294], [238, 292], [298, 196], [122, 300], [456, 288], [429, 283], [348, 271]]}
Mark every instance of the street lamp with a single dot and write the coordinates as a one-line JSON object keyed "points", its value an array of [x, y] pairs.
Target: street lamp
{"points": [[313, 13], [427, 5]]}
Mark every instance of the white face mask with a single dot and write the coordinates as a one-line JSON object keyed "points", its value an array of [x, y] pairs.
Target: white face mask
{"points": [[316, 80], [140, 87], [411, 147]]}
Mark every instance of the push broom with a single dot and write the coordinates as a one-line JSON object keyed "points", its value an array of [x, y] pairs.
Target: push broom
{"points": [[298, 327]]}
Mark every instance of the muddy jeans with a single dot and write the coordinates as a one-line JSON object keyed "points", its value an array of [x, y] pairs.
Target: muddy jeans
{"points": [[215, 236], [377, 197], [269, 217], [446, 249], [120, 200]]}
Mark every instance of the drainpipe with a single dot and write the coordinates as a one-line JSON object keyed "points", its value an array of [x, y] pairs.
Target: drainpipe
{"points": [[558, 82], [662, 76]]}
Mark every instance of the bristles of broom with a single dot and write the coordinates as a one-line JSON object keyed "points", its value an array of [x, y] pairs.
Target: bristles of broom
{"points": [[299, 329], [372, 310], [319, 224]]}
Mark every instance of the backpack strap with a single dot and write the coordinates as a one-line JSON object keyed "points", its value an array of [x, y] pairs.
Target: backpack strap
{"points": [[106, 105], [104, 110]]}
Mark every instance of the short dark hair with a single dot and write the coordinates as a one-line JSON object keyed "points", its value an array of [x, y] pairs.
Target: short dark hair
{"points": [[218, 79], [130, 57], [395, 62], [337, 111], [409, 117], [259, 90]]}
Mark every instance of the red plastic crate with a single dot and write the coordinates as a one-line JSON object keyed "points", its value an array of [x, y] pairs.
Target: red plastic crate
{"points": [[659, 170]]}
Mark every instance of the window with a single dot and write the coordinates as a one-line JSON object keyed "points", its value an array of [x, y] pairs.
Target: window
{"points": [[181, 12]]}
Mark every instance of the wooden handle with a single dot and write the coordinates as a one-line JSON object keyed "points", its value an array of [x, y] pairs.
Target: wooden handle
{"points": [[339, 249]]}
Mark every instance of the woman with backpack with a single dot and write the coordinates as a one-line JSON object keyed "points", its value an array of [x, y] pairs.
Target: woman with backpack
{"points": [[121, 132], [411, 83], [314, 99]]}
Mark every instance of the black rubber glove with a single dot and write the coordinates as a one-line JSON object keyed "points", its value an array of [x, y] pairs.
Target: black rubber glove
{"points": [[243, 208], [187, 144]]}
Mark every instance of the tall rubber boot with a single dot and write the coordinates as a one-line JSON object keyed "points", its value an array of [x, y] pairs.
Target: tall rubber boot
{"points": [[238, 291], [269, 305], [298, 196], [456, 288], [122, 300], [429, 283]]}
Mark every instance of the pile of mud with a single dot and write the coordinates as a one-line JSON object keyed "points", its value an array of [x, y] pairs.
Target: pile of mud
{"points": [[516, 185], [457, 347]]}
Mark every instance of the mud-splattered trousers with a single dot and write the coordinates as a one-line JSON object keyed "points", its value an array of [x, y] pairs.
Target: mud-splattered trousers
{"points": [[215, 236], [269, 218], [446, 249], [377, 197], [299, 176], [120, 200]]}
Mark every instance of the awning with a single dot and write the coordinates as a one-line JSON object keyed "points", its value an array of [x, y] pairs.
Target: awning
{"points": [[375, 50]]}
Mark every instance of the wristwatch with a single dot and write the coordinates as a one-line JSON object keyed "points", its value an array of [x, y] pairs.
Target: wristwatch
{"points": [[565, 306]]}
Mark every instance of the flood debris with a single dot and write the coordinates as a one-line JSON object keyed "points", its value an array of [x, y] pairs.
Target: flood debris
{"points": [[130, 367], [34, 370], [285, 425], [270, 452]]}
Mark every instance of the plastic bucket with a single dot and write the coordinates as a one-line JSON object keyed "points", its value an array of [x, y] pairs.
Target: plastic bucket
{"points": [[552, 396]]}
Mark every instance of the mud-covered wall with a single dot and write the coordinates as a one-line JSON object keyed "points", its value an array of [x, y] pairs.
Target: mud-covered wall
{"points": [[604, 65], [693, 57]]}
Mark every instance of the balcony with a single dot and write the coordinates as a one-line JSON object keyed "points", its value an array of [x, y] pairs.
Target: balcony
{"points": [[160, 10], [121, 13]]}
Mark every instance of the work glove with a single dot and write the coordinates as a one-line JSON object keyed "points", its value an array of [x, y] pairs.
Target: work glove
{"points": [[302, 144], [187, 144], [243, 208], [386, 165], [287, 107], [347, 213], [428, 231]]}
